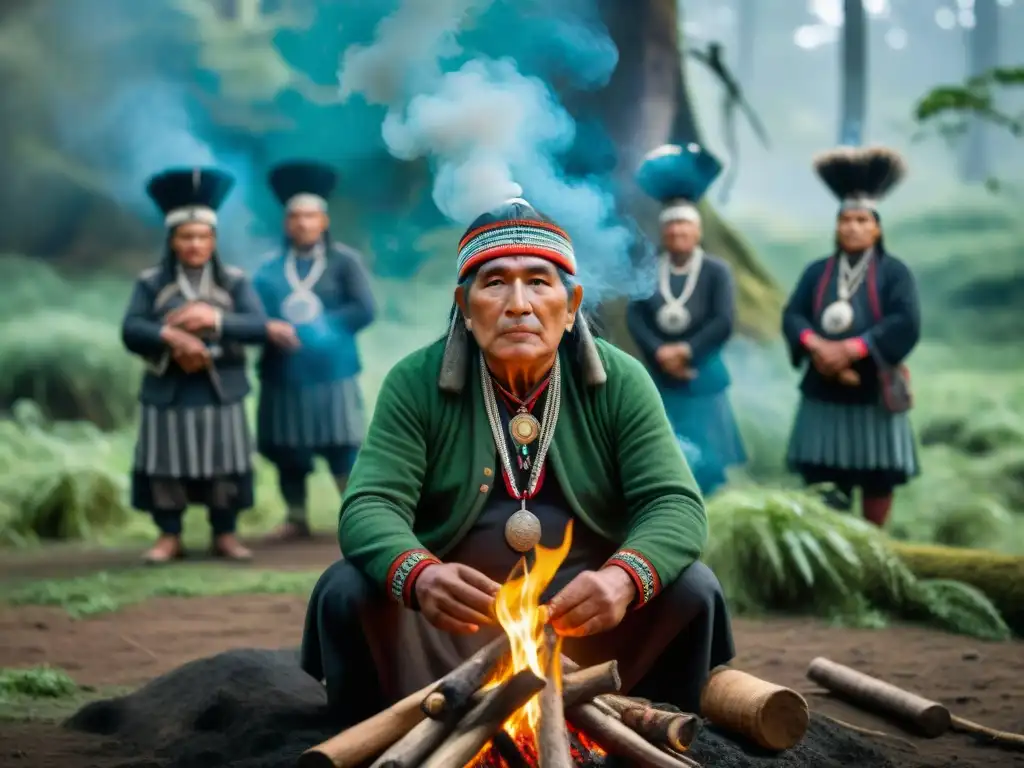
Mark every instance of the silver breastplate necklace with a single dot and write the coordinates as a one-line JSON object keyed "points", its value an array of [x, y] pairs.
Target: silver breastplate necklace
{"points": [[302, 305], [838, 316], [673, 317]]}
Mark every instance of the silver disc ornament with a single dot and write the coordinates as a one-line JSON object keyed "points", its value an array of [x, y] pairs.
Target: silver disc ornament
{"points": [[837, 317], [522, 531], [673, 318], [302, 307]]}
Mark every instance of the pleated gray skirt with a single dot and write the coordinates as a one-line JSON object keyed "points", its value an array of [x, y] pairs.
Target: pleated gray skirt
{"points": [[193, 455], [311, 417], [852, 444]]}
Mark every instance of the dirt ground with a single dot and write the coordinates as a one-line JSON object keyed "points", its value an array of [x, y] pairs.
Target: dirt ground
{"points": [[980, 681]]}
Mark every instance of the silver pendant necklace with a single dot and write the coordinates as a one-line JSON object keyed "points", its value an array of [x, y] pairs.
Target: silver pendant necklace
{"points": [[302, 305], [839, 315], [673, 317], [523, 528]]}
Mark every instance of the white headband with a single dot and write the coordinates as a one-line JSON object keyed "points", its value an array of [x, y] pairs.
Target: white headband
{"points": [[192, 213], [859, 203], [679, 212], [306, 200]]}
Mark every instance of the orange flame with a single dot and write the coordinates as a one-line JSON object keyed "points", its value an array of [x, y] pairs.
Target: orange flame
{"points": [[521, 615]]}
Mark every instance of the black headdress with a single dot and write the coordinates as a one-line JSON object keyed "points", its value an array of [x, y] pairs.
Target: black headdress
{"points": [[303, 183], [190, 195], [860, 176]]}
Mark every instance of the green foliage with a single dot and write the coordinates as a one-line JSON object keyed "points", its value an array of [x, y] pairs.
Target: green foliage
{"points": [[949, 105], [106, 592], [60, 346], [56, 481], [782, 550], [43, 682]]}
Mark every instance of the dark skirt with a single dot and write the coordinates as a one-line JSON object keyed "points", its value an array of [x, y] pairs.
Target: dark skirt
{"points": [[852, 445], [193, 455], [708, 434], [311, 417]]}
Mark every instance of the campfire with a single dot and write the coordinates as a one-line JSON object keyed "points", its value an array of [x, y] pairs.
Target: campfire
{"points": [[516, 703]]}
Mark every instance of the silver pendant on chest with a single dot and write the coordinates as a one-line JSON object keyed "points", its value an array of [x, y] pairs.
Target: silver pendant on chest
{"points": [[837, 317], [673, 318], [302, 307], [523, 530]]}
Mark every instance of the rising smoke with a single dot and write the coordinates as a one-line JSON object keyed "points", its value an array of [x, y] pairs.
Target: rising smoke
{"points": [[466, 87], [490, 131]]}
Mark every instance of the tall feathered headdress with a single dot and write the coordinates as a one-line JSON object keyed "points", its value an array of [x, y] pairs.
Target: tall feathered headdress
{"points": [[860, 177]]}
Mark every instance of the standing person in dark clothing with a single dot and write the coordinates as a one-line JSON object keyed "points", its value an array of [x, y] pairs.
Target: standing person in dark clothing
{"points": [[310, 401], [854, 317], [682, 329], [188, 318]]}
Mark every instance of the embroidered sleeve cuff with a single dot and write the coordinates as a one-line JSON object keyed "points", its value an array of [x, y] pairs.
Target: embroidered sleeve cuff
{"points": [[639, 568], [404, 571], [858, 347]]}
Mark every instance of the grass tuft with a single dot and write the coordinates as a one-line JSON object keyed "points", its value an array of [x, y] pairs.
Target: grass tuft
{"points": [[106, 592]]}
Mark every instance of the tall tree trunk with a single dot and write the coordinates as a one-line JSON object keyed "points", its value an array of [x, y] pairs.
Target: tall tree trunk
{"points": [[854, 73], [746, 39], [982, 56], [647, 104]]}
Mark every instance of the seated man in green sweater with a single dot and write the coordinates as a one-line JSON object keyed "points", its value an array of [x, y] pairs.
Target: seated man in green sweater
{"points": [[490, 442]]}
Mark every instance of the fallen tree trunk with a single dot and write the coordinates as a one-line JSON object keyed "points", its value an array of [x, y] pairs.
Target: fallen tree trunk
{"points": [[1000, 577]]}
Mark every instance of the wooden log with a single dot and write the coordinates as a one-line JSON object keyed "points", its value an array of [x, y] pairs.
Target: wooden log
{"points": [[619, 739], [453, 691], [609, 703], [484, 720], [676, 730], [930, 718], [589, 683], [553, 748], [413, 748], [769, 715], [367, 739]]}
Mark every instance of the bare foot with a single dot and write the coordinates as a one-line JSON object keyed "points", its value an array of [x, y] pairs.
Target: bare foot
{"points": [[228, 546], [167, 548], [289, 531]]}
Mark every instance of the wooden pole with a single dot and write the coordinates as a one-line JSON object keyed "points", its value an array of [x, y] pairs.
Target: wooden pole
{"points": [[929, 717]]}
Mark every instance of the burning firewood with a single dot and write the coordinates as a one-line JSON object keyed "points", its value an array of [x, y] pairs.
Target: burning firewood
{"points": [[480, 724], [406, 738], [553, 738], [453, 691]]}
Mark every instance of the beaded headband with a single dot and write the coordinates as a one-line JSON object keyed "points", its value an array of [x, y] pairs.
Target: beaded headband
{"points": [[518, 237]]}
